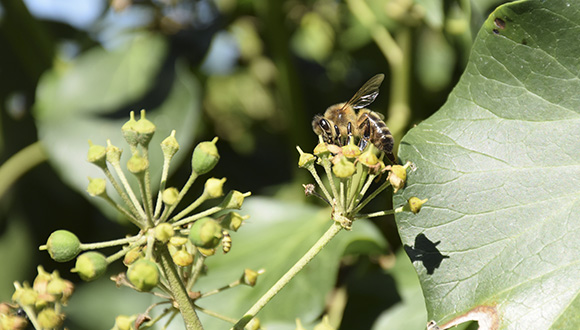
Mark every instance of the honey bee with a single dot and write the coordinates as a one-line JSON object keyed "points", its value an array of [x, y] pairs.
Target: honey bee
{"points": [[341, 122], [226, 241]]}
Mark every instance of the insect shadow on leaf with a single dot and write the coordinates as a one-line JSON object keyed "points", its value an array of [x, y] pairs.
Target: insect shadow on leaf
{"points": [[426, 252]]}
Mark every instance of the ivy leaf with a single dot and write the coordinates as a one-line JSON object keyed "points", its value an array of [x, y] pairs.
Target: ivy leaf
{"points": [[499, 238], [274, 238]]}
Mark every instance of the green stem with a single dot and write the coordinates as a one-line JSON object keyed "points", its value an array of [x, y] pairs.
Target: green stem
{"points": [[199, 260], [164, 174], [178, 290], [200, 215], [120, 241], [191, 206], [285, 279], [371, 196], [20, 163]]}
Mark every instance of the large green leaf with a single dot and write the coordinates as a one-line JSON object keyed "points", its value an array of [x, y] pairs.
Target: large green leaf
{"points": [[273, 239], [90, 98], [499, 238]]}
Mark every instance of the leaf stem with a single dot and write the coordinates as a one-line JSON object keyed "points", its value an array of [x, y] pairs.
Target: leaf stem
{"points": [[285, 279]]}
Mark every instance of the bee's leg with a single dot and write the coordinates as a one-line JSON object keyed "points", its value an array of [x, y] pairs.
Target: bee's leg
{"points": [[365, 128], [338, 137], [349, 130]]}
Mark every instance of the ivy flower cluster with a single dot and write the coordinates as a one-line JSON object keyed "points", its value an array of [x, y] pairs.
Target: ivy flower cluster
{"points": [[350, 174], [168, 252]]}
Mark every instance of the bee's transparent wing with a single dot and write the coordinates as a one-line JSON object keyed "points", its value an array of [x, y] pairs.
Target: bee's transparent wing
{"points": [[367, 93]]}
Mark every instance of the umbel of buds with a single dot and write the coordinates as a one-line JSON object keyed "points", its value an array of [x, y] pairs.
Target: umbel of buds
{"points": [[355, 177], [171, 244]]}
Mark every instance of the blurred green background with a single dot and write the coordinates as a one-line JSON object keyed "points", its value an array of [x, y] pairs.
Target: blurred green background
{"points": [[251, 72]]}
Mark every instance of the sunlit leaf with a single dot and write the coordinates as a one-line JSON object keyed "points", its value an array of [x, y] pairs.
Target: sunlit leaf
{"points": [[499, 237]]}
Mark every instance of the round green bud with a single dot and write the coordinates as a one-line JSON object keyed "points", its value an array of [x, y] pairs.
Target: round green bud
{"points": [[124, 322], [13, 322], [164, 232], [25, 296], [254, 324], [145, 130], [205, 157], [137, 164], [234, 200], [321, 149], [132, 256], [129, 132], [90, 265], [178, 240], [182, 258], [250, 276], [232, 221], [143, 274], [169, 146], [397, 177], [368, 158], [113, 153], [205, 233], [214, 187], [97, 187], [350, 151], [343, 168], [97, 155], [415, 204], [170, 195], [306, 159], [62, 245], [48, 318]]}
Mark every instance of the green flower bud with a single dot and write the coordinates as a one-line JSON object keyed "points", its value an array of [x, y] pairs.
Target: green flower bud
{"points": [[250, 276], [397, 177], [137, 164], [131, 256], [129, 132], [234, 200], [60, 288], [368, 158], [113, 153], [90, 265], [306, 159], [205, 157], [124, 322], [321, 149], [164, 232], [145, 130], [169, 146], [343, 168], [182, 258], [415, 204], [232, 221], [178, 240], [13, 322], [206, 252], [214, 187], [205, 233], [170, 195], [25, 296], [48, 318], [97, 187], [143, 274], [41, 280], [97, 155], [62, 245], [254, 324], [350, 151]]}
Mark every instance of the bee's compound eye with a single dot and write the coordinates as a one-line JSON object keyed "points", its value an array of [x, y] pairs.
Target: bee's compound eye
{"points": [[324, 125]]}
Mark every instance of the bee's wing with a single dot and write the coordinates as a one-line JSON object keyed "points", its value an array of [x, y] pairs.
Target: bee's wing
{"points": [[367, 93]]}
